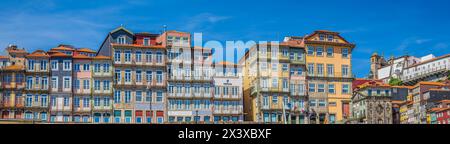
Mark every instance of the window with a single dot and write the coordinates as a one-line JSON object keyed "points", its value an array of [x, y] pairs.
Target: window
{"points": [[97, 101], [127, 75], [117, 56], [138, 96], [29, 82], [127, 56], [159, 76], [148, 56], [159, 96], [310, 69], [117, 76], [117, 97], [106, 101], [76, 102], [67, 83], [138, 76], [345, 52], [86, 84], [148, 96], [285, 83], [66, 101], [312, 103], [331, 88], [320, 69], [29, 100], [96, 85], [54, 64], [369, 92], [319, 51], [274, 83], [291, 55], [274, 99], [330, 69], [86, 102], [67, 65], [127, 96], [330, 37], [121, 40], [312, 87], [345, 70], [265, 100], [320, 88], [138, 56], [285, 52], [330, 51], [30, 65], [106, 68], [146, 42], [43, 65], [285, 67], [310, 50], [53, 101], [96, 67], [76, 67], [274, 67], [106, 85], [321, 37], [158, 57], [345, 88], [44, 83], [322, 103], [332, 104]]}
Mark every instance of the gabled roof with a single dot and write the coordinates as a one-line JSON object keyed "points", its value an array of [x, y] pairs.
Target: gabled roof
{"points": [[326, 32], [38, 54], [62, 47], [372, 83], [59, 54], [121, 28]]}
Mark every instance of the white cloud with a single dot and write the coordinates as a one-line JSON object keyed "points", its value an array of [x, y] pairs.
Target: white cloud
{"points": [[203, 21]]}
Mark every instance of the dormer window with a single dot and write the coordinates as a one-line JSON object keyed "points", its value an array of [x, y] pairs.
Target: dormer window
{"points": [[321, 37], [121, 40], [146, 42], [330, 37]]}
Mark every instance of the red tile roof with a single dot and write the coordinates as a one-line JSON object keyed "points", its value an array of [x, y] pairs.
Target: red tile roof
{"points": [[86, 50], [81, 57], [4, 57], [38, 54], [14, 67], [100, 57], [59, 54]]}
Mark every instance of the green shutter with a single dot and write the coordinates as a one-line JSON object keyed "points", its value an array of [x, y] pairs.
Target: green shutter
{"points": [[128, 113], [117, 113]]}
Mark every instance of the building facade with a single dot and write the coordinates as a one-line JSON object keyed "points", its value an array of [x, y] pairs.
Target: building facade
{"points": [[61, 84], [102, 93], [329, 67], [228, 100], [37, 75], [13, 84], [371, 103]]}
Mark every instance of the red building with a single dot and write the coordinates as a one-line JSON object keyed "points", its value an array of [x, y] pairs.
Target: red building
{"points": [[443, 114]]}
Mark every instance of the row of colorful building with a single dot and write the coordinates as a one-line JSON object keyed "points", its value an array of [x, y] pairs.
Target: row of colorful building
{"points": [[161, 78], [418, 91]]}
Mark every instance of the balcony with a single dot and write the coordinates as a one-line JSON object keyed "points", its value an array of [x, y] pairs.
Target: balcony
{"points": [[423, 74], [102, 108], [334, 75]]}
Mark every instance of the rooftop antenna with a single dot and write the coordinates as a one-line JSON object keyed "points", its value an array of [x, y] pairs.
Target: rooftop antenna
{"points": [[165, 27]]}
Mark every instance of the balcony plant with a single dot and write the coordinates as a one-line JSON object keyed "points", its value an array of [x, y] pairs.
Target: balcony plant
{"points": [[395, 82]]}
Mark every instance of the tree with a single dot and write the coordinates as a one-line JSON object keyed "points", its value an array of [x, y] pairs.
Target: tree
{"points": [[395, 82]]}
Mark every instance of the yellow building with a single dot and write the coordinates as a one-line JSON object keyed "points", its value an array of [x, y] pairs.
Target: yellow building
{"points": [[328, 60], [274, 83]]}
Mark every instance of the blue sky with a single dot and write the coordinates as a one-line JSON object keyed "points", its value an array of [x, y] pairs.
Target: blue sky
{"points": [[415, 27]]}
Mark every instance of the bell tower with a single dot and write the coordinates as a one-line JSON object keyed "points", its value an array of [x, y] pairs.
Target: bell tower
{"points": [[375, 64]]}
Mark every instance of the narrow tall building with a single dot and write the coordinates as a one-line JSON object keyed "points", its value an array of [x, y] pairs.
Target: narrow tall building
{"points": [[61, 84], [139, 76], [37, 86], [329, 65], [82, 87], [228, 100], [102, 76], [274, 83], [13, 84]]}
